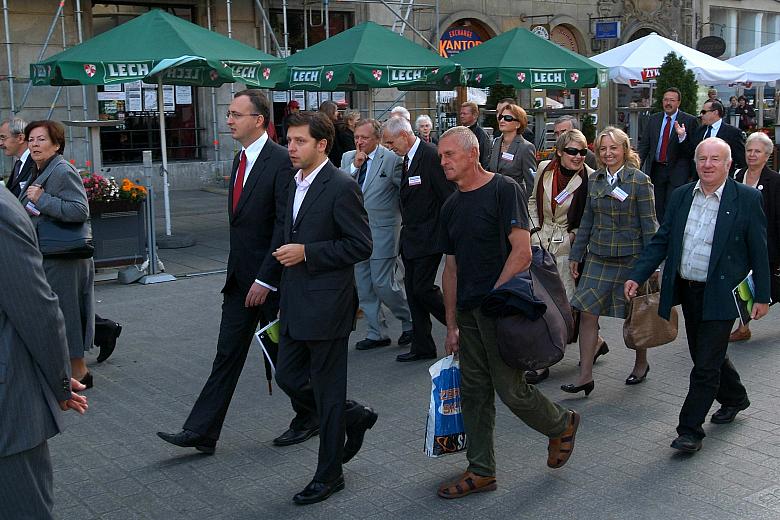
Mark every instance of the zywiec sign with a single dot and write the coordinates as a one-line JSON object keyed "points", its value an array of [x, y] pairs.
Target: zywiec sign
{"points": [[457, 40], [305, 75], [548, 78], [402, 75], [650, 74], [114, 72], [715, 46]]}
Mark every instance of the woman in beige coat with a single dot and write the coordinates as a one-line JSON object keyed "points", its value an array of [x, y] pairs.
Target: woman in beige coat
{"points": [[556, 205]]}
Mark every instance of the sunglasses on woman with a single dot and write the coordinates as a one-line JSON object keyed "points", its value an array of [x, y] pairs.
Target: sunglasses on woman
{"points": [[507, 118], [576, 151]]}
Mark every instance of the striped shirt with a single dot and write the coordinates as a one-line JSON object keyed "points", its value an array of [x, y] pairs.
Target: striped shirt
{"points": [[699, 232]]}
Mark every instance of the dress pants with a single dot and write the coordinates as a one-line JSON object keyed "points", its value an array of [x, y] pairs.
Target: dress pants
{"points": [[483, 374], [663, 186], [236, 331], [314, 374], [26, 485], [425, 299], [713, 376], [379, 282]]}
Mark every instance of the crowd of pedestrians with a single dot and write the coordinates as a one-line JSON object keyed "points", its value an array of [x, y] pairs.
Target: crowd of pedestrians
{"points": [[353, 213]]}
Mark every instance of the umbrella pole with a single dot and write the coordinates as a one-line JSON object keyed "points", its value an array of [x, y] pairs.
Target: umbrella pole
{"points": [[164, 151]]}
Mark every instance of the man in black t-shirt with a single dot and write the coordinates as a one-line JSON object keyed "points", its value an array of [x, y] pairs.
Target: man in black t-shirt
{"points": [[485, 235]]}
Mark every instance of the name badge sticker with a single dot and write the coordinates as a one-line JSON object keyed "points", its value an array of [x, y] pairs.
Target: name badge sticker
{"points": [[506, 156], [619, 194], [23, 185], [31, 209], [415, 181], [562, 196]]}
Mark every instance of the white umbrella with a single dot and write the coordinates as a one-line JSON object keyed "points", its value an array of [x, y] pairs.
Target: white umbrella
{"points": [[638, 62], [761, 65]]}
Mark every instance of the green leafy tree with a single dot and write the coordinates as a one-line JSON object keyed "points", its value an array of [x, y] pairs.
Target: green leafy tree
{"points": [[497, 93], [674, 74], [589, 128]]}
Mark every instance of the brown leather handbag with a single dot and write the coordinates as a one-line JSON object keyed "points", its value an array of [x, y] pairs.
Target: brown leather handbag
{"points": [[644, 328]]}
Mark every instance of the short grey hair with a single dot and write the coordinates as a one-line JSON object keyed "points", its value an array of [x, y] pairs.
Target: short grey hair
{"points": [[762, 138], [397, 126], [575, 123], [422, 119], [465, 137], [15, 126], [376, 128], [401, 111], [718, 140]]}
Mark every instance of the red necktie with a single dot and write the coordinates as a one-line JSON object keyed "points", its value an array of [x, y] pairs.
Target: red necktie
{"points": [[665, 140], [239, 185]]}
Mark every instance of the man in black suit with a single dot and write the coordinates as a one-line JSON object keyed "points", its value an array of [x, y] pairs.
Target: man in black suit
{"points": [[256, 201], [713, 125], [663, 156], [469, 116], [14, 145], [424, 188], [325, 233], [714, 236]]}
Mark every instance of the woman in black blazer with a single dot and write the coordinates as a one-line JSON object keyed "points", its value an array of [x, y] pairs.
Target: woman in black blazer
{"points": [[511, 154], [758, 148]]}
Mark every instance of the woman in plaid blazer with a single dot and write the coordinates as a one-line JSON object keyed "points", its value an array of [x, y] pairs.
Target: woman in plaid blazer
{"points": [[618, 222]]}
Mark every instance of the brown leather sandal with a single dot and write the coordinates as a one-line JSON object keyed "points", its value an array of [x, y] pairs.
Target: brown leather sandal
{"points": [[560, 448], [469, 483]]}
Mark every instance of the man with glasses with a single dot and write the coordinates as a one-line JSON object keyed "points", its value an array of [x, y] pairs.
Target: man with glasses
{"points": [[713, 125], [566, 123], [257, 198], [663, 155], [14, 145]]}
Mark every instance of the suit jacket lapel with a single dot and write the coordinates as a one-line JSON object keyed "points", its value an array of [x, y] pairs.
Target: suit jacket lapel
{"points": [[514, 146], [234, 172], [317, 187], [415, 162], [288, 223], [373, 171], [727, 212], [254, 177]]}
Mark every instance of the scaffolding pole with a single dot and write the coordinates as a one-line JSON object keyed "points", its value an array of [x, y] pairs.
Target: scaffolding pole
{"points": [[8, 53], [43, 50], [87, 143], [214, 127], [67, 90], [270, 29]]}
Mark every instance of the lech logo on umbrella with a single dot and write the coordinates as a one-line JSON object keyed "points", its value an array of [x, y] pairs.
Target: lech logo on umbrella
{"points": [[478, 78], [329, 75], [377, 74], [214, 75], [575, 77], [90, 69], [266, 72], [521, 77]]}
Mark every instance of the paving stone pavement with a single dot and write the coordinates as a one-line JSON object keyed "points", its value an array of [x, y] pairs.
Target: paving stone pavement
{"points": [[110, 464]]}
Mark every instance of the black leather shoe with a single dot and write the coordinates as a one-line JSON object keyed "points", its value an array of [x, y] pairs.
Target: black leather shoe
{"points": [[357, 432], [318, 491], [291, 436], [603, 349], [726, 414], [571, 389], [87, 381], [108, 344], [405, 338], [368, 344], [532, 377], [635, 380], [411, 356], [190, 439], [687, 443]]}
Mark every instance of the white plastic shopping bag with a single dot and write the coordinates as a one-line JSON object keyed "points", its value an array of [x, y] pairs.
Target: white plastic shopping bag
{"points": [[444, 432]]}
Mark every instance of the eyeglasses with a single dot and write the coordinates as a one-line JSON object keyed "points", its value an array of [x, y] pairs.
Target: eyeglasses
{"points": [[575, 151], [238, 115], [710, 110], [507, 118]]}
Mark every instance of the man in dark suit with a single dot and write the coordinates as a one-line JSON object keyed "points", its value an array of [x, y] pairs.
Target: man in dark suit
{"points": [[325, 234], [14, 145], [713, 125], [663, 156], [424, 188], [469, 116], [714, 234], [256, 201], [34, 369]]}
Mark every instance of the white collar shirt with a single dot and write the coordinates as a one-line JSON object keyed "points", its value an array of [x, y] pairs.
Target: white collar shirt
{"points": [[252, 152], [413, 150], [699, 234], [302, 187]]}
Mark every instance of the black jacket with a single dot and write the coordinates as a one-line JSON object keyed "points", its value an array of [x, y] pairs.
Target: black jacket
{"points": [[679, 165], [24, 176], [733, 136]]}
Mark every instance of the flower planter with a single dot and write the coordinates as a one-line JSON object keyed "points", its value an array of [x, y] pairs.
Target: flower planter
{"points": [[118, 232]]}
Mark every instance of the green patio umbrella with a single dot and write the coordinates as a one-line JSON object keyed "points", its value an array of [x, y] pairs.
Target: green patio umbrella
{"points": [[159, 48], [521, 59], [365, 57]]}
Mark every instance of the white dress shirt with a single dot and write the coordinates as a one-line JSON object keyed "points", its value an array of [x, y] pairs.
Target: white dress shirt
{"points": [[252, 152], [413, 150], [699, 233], [302, 187]]}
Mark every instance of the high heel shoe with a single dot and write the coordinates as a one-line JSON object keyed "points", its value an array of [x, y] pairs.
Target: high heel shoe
{"points": [[603, 349], [571, 389], [87, 380], [635, 380], [108, 344]]}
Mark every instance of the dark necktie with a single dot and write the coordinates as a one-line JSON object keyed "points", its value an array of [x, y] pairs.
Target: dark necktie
{"points": [[239, 185], [709, 132], [362, 172], [17, 170], [406, 165], [665, 139]]}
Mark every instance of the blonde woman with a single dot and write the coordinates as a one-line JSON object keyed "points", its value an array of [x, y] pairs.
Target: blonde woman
{"points": [[618, 222]]}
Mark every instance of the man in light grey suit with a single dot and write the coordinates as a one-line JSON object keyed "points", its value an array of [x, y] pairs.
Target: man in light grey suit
{"points": [[378, 172], [35, 383]]}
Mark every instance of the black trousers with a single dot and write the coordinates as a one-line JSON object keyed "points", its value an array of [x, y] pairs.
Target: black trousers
{"points": [[314, 374], [236, 331], [713, 376], [665, 181], [425, 299]]}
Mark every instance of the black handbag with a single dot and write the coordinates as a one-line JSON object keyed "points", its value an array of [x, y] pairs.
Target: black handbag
{"points": [[65, 240]]}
